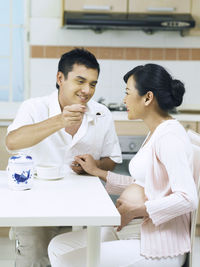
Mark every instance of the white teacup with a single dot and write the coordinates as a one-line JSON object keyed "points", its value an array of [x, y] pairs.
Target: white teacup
{"points": [[49, 172]]}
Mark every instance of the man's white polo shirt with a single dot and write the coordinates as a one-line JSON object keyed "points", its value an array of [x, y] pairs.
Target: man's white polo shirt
{"points": [[96, 135]]}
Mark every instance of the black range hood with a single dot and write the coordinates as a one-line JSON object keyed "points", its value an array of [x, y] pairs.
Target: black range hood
{"points": [[133, 21]]}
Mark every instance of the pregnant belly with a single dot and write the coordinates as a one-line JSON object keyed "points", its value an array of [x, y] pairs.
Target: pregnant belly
{"points": [[134, 193]]}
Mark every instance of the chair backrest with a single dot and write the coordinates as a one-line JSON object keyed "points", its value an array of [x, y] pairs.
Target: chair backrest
{"points": [[195, 139], [194, 214]]}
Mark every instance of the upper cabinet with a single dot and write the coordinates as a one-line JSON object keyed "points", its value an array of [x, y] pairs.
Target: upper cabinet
{"points": [[196, 15], [96, 6], [113, 14], [159, 6]]}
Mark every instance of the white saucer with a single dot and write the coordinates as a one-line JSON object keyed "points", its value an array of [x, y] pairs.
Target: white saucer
{"points": [[48, 178]]}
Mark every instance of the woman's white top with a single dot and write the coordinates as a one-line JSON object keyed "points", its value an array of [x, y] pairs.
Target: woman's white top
{"points": [[138, 163], [138, 172]]}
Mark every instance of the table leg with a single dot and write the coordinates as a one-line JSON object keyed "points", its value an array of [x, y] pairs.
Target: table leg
{"points": [[93, 246]]}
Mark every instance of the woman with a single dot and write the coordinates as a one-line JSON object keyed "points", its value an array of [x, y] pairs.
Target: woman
{"points": [[160, 194]]}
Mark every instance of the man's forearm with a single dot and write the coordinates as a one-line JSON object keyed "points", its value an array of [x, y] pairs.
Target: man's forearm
{"points": [[105, 164], [30, 135]]}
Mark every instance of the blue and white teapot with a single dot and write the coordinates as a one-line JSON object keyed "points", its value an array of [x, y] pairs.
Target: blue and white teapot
{"points": [[20, 171]]}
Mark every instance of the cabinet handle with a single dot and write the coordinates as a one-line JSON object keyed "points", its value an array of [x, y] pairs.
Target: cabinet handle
{"points": [[161, 9], [187, 126], [102, 8]]}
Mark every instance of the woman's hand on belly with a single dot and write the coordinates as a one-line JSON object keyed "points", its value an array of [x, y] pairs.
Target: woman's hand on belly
{"points": [[131, 204]]}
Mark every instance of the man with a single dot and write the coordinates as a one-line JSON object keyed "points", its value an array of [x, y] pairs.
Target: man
{"points": [[54, 129]]}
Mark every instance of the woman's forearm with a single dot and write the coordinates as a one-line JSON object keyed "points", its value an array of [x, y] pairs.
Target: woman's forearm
{"points": [[106, 164], [101, 174]]}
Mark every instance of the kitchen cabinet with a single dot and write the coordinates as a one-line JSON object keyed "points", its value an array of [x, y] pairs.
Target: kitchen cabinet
{"points": [[95, 6], [190, 125], [198, 219], [4, 231], [161, 6], [124, 127], [136, 6], [130, 128], [4, 155], [170, 7], [195, 10]]}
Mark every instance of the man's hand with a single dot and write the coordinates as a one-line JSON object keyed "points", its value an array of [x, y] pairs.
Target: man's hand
{"points": [[72, 115], [76, 167], [88, 163]]}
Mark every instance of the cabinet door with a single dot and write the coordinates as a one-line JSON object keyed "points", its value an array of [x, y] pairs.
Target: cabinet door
{"points": [[3, 153], [96, 6], [130, 128], [161, 6], [192, 125], [198, 218]]}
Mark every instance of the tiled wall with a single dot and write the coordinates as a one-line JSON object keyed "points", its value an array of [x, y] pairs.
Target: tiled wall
{"points": [[121, 53]]}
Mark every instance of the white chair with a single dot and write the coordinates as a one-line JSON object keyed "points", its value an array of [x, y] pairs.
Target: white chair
{"points": [[195, 140]]}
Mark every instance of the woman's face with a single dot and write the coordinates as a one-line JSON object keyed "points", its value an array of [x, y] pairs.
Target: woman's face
{"points": [[133, 101]]}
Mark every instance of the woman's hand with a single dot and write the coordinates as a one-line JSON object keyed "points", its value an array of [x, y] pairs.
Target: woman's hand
{"points": [[129, 211], [88, 164]]}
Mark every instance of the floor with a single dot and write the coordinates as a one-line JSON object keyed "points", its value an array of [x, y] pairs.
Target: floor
{"points": [[7, 252]]}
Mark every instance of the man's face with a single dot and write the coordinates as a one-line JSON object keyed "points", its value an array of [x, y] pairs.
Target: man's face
{"points": [[78, 87]]}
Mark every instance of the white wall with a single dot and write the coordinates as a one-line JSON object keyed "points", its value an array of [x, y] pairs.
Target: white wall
{"points": [[45, 29]]}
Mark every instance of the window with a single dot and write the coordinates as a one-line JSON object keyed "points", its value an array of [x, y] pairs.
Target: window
{"points": [[14, 50]]}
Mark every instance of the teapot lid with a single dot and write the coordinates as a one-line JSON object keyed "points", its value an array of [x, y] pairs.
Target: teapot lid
{"points": [[20, 158]]}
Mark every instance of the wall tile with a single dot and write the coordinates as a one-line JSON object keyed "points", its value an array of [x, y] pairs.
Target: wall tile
{"points": [[37, 51], [157, 53], [63, 49], [183, 54], [44, 31], [46, 8], [170, 54], [50, 51], [132, 53], [43, 76], [195, 54], [94, 50], [118, 53], [145, 53], [105, 52]]}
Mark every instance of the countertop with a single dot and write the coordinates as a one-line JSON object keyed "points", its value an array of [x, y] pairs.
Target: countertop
{"points": [[122, 116], [117, 116]]}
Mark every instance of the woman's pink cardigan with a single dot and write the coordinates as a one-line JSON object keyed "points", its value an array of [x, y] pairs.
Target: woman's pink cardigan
{"points": [[170, 190]]}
